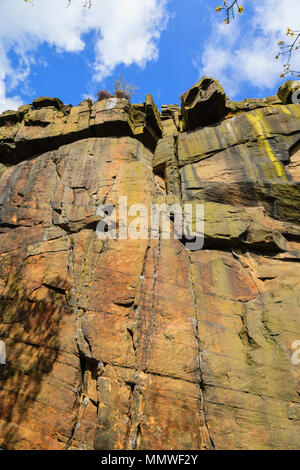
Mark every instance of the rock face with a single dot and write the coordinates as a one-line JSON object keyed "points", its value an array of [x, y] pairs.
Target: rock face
{"points": [[137, 343]]}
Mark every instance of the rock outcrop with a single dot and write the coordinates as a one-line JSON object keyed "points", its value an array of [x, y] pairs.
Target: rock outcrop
{"points": [[143, 343], [203, 104], [289, 92]]}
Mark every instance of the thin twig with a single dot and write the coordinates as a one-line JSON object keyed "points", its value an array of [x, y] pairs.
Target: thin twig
{"points": [[286, 50], [230, 10]]}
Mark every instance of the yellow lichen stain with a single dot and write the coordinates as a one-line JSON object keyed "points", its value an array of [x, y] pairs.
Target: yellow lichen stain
{"points": [[255, 119], [280, 171], [285, 110]]}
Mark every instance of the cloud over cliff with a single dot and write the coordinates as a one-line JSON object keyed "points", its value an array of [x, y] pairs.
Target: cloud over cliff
{"points": [[125, 31]]}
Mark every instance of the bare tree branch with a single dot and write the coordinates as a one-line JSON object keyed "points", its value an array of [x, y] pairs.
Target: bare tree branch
{"points": [[85, 3], [230, 10], [285, 50]]}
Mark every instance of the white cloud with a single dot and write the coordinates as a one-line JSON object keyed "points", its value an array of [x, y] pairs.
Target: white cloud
{"points": [[126, 31], [243, 53], [130, 31], [8, 103]]}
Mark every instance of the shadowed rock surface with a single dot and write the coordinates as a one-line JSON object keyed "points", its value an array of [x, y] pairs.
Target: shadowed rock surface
{"points": [[143, 344], [203, 104]]}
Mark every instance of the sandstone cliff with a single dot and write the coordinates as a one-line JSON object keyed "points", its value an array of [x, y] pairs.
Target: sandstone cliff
{"points": [[143, 344]]}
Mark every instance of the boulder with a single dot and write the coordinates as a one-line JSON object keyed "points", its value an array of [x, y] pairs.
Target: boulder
{"points": [[11, 117], [289, 92], [203, 104], [45, 102]]}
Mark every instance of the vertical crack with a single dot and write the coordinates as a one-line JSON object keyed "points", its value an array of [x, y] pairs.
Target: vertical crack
{"points": [[177, 166], [90, 369], [142, 346], [206, 439]]}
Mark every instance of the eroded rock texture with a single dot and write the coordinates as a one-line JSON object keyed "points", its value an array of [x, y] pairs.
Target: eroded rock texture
{"points": [[143, 344]]}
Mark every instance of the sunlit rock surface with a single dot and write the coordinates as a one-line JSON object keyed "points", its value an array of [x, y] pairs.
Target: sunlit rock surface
{"points": [[143, 344]]}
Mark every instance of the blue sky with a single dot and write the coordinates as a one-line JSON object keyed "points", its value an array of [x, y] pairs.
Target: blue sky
{"points": [[161, 46]]}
